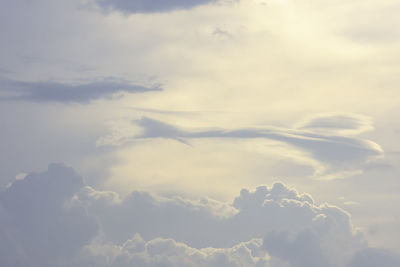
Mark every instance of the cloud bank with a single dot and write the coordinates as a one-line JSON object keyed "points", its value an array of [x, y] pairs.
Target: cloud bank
{"points": [[54, 219]]}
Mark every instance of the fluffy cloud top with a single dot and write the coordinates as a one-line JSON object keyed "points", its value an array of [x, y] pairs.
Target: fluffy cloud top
{"points": [[167, 252], [53, 219]]}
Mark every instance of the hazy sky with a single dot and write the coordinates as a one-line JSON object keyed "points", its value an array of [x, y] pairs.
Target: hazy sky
{"points": [[199, 133]]}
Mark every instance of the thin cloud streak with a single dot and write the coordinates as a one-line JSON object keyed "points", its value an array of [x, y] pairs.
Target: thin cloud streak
{"points": [[64, 92], [150, 6]]}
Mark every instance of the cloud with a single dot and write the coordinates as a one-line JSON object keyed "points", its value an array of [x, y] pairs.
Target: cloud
{"points": [[208, 223], [328, 139], [201, 223], [37, 225], [64, 92], [345, 123], [303, 251], [150, 6], [372, 257], [53, 219], [167, 252]]}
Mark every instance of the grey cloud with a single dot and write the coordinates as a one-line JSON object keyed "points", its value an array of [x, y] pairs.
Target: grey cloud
{"points": [[5, 71], [304, 251], [63, 92], [334, 149], [53, 219], [372, 257], [154, 217], [150, 6], [37, 225], [223, 34], [352, 123]]}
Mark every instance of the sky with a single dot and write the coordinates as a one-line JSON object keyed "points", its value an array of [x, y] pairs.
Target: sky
{"points": [[199, 133]]}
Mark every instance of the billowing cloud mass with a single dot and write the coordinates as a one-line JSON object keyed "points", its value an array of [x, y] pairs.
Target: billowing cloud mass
{"points": [[54, 219], [63, 92], [151, 6]]}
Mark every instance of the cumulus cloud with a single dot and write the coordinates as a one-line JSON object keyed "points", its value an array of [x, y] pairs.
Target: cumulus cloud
{"points": [[167, 252], [207, 222], [150, 6], [37, 226], [64, 92], [53, 219]]}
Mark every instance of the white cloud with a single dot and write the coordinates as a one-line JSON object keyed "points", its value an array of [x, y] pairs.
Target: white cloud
{"points": [[167, 252]]}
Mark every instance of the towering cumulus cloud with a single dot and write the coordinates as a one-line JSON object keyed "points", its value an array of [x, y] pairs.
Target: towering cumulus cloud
{"points": [[54, 219]]}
